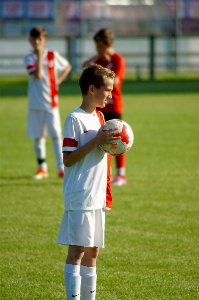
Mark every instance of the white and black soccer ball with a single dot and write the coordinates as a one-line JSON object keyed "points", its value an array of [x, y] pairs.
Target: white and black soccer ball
{"points": [[125, 137]]}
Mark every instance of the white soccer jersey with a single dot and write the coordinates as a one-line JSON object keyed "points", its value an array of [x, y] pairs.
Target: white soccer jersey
{"points": [[86, 183], [43, 93]]}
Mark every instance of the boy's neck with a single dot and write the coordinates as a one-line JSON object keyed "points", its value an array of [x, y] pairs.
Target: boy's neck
{"points": [[107, 55], [110, 51], [87, 108]]}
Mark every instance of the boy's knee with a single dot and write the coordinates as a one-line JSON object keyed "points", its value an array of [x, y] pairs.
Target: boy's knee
{"points": [[92, 252], [95, 251], [75, 254]]}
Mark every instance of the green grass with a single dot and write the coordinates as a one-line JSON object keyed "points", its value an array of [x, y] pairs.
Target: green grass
{"points": [[152, 240], [164, 83]]}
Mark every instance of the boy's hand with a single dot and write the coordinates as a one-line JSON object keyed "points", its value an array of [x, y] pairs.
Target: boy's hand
{"points": [[90, 62], [106, 137], [107, 57], [39, 50]]}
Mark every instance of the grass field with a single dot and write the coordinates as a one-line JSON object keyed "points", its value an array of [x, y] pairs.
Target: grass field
{"points": [[152, 232]]}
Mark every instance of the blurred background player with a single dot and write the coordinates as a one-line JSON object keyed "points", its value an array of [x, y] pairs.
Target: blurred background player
{"points": [[47, 69], [108, 58], [87, 191]]}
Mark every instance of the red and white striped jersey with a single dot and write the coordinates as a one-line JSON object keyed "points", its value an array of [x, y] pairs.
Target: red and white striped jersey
{"points": [[43, 93], [86, 183]]}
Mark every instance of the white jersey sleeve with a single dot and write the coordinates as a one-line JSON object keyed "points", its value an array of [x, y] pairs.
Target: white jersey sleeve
{"points": [[30, 61], [70, 142]]}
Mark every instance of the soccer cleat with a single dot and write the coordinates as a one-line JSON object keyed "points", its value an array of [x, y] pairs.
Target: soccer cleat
{"points": [[40, 174], [119, 180], [60, 174]]}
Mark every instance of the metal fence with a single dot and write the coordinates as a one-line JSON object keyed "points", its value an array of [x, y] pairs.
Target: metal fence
{"points": [[142, 54]]}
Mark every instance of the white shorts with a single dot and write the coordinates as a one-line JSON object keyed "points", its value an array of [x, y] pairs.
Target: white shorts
{"points": [[43, 123], [82, 228]]}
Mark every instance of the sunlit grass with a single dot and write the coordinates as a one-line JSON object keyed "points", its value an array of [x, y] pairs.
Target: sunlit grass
{"points": [[152, 231]]}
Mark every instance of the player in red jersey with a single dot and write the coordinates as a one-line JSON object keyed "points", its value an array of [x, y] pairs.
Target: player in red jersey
{"points": [[107, 57]]}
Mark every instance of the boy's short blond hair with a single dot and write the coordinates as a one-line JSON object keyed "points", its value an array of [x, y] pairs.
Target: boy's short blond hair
{"points": [[104, 35], [38, 31], [94, 75]]}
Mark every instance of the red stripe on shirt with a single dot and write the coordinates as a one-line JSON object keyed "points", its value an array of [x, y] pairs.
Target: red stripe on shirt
{"points": [[67, 142], [100, 117], [51, 73], [109, 199], [31, 67]]}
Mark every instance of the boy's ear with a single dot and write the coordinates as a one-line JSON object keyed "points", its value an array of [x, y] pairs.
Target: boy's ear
{"points": [[91, 89]]}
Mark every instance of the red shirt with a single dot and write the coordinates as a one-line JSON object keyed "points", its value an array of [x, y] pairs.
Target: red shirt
{"points": [[116, 64]]}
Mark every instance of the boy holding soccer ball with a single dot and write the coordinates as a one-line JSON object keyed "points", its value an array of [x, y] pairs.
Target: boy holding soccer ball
{"points": [[107, 57], [86, 186], [47, 70]]}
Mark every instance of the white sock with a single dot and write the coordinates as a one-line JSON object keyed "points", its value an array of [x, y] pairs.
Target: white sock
{"points": [[40, 148], [43, 166], [121, 171], [72, 281], [57, 147], [88, 284]]}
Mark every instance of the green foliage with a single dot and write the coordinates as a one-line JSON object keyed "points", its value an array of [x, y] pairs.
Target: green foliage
{"points": [[152, 231]]}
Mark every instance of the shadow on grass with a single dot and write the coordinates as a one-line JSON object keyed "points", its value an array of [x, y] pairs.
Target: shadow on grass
{"points": [[27, 180]]}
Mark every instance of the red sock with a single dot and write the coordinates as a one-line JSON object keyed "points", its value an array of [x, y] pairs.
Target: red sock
{"points": [[120, 161], [120, 164]]}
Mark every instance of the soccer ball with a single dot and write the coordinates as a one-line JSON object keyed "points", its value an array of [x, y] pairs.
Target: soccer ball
{"points": [[124, 134]]}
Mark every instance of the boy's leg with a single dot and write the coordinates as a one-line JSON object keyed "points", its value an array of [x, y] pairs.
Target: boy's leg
{"points": [[80, 254], [40, 152], [88, 273], [72, 272], [53, 122], [120, 178], [72, 281], [120, 164], [57, 147]]}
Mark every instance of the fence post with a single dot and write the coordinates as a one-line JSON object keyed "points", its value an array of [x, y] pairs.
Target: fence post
{"points": [[175, 49], [70, 55], [151, 57]]}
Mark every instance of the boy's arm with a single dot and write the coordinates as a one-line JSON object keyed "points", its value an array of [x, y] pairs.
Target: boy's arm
{"points": [[70, 158], [38, 72], [64, 74], [90, 61], [102, 137], [119, 69]]}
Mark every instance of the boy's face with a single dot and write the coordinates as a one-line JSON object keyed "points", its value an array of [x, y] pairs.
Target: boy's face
{"points": [[101, 48], [37, 43], [103, 94]]}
